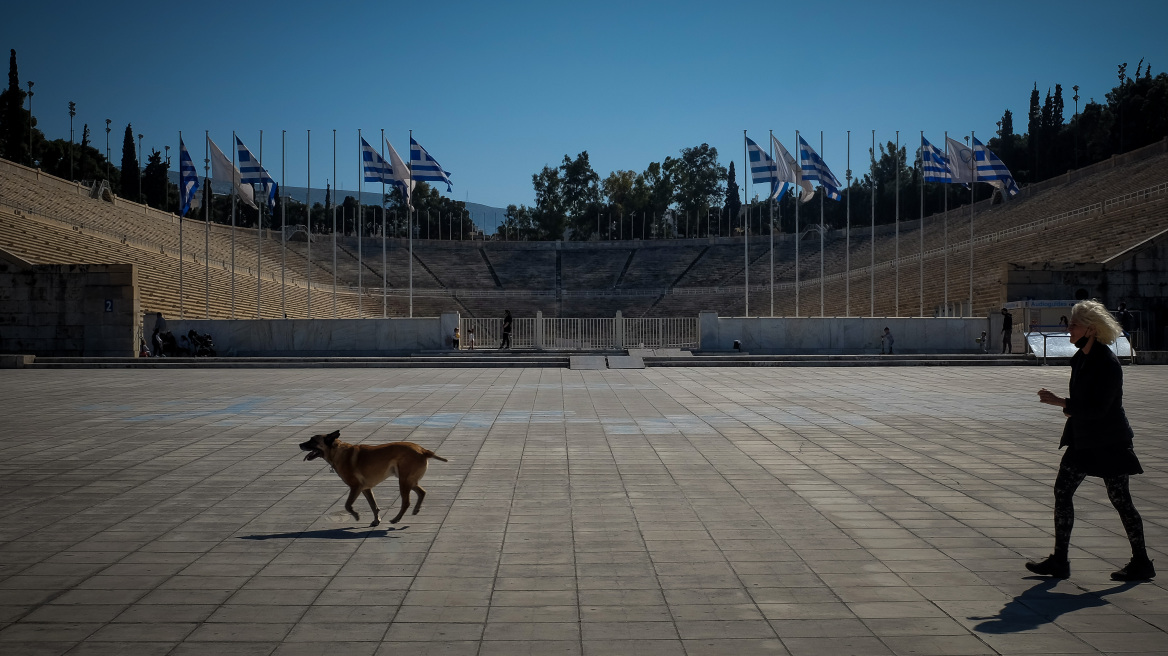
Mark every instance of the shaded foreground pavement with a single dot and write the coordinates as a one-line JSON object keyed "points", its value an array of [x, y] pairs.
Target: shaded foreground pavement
{"points": [[659, 511]]}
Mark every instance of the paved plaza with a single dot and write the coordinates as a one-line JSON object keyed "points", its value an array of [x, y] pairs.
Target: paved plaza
{"points": [[648, 512]]}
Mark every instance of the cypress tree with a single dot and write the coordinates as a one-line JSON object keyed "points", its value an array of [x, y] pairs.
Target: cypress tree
{"points": [[130, 172], [14, 118], [1033, 127], [733, 203]]}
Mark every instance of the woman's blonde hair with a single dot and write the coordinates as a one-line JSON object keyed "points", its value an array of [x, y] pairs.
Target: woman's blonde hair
{"points": [[1092, 314]]}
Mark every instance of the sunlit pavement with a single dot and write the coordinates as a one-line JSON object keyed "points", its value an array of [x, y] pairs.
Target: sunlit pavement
{"points": [[658, 511]]}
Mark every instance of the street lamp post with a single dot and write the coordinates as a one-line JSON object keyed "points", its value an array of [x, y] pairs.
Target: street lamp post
{"points": [[72, 113], [107, 131], [166, 184], [1076, 88], [31, 159]]}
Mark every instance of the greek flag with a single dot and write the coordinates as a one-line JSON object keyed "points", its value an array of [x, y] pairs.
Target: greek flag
{"points": [[763, 168], [251, 172], [425, 167], [815, 170], [993, 170], [376, 168], [188, 177], [934, 162]]}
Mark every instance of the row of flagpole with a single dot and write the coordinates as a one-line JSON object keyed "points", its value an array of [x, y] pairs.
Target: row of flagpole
{"points": [[373, 168], [959, 164]]}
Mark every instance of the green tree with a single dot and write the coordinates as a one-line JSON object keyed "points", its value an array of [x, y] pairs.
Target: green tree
{"points": [[518, 224], [580, 192], [699, 182], [619, 189], [1033, 128], [14, 118], [733, 203], [130, 180], [155, 185], [549, 213]]}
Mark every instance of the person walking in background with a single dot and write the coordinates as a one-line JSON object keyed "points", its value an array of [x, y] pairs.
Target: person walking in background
{"points": [[1007, 331], [1098, 439], [457, 338], [1127, 321], [470, 337], [507, 322], [886, 341]]}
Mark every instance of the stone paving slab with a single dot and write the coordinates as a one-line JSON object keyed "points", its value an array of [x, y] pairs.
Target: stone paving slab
{"points": [[659, 511], [593, 362]]}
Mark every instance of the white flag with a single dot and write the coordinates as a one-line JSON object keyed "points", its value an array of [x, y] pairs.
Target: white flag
{"points": [[400, 174], [961, 162], [223, 171], [787, 166]]}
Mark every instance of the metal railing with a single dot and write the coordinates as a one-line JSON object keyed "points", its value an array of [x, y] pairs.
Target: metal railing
{"points": [[580, 334]]}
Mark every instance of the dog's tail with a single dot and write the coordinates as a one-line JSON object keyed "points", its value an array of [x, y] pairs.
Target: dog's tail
{"points": [[430, 454]]}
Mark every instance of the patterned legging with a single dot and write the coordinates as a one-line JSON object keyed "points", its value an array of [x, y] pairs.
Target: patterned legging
{"points": [[1067, 482]]}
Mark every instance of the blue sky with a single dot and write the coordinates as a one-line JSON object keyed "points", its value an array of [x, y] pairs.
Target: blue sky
{"points": [[495, 91]]}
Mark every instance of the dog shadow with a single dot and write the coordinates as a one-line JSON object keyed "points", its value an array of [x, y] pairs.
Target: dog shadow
{"points": [[348, 533], [1041, 605]]}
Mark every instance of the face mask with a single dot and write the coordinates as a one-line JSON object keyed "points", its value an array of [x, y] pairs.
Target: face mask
{"points": [[1082, 342]]}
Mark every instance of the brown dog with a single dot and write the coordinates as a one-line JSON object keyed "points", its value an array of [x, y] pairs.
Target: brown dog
{"points": [[363, 466]]}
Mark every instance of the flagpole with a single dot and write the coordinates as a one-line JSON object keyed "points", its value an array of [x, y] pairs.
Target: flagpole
{"points": [[799, 188], [896, 257], [334, 204], [384, 237], [946, 224], [360, 225], [822, 228], [259, 234], [771, 202], [182, 147], [283, 227], [921, 229], [207, 223], [872, 239], [308, 216], [973, 156], [746, 229], [410, 221], [235, 182], [848, 236]]}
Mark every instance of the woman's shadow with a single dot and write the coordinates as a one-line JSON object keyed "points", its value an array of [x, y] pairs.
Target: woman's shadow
{"points": [[347, 533], [1041, 605]]}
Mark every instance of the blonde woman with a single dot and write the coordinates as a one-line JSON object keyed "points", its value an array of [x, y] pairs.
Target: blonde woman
{"points": [[1098, 440]]}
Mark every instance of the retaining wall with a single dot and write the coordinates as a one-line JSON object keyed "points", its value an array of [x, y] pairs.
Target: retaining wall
{"points": [[61, 310], [318, 337], [840, 335]]}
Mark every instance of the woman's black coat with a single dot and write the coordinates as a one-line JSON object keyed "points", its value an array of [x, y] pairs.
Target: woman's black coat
{"points": [[1097, 434]]}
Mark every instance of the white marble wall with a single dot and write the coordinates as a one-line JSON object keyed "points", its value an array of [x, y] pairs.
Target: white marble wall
{"points": [[316, 337], [840, 335]]}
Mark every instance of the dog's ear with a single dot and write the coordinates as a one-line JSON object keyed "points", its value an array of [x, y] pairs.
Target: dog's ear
{"points": [[332, 437]]}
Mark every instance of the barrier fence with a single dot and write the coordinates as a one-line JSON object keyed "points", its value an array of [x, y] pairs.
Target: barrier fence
{"points": [[568, 334]]}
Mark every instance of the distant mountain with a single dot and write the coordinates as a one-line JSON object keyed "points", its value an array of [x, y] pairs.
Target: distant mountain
{"points": [[484, 216]]}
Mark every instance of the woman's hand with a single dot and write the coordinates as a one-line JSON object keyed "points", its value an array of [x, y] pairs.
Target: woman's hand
{"points": [[1050, 398]]}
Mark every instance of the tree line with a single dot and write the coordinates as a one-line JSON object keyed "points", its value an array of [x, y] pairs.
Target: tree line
{"points": [[689, 195]]}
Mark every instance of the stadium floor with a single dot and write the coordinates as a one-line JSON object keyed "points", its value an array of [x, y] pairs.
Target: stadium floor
{"points": [[658, 511]]}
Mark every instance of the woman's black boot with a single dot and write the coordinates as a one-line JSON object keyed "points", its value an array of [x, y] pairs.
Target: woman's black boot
{"points": [[1054, 566]]}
